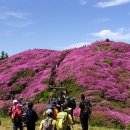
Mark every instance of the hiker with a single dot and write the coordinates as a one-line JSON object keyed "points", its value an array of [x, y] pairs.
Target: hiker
{"points": [[63, 95], [52, 95], [12, 96], [9, 112], [21, 101], [17, 115], [59, 104], [52, 81], [31, 117], [107, 40], [55, 109], [61, 100], [48, 123], [63, 120], [85, 112], [70, 102], [24, 107]]}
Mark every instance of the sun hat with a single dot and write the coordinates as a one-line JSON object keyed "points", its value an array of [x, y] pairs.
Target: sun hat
{"points": [[48, 111], [18, 105], [21, 97], [15, 101]]}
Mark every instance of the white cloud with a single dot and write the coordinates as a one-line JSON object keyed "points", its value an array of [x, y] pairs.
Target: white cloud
{"points": [[10, 14], [17, 15], [19, 23], [70, 46], [14, 18], [102, 20], [111, 3], [83, 2], [120, 34], [80, 44]]}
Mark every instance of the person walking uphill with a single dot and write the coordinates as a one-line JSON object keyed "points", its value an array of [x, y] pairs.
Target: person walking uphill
{"points": [[48, 123], [17, 116], [64, 120], [85, 112], [31, 117]]}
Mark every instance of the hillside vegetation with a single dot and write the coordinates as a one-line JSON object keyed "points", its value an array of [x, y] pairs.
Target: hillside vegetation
{"points": [[100, 70]]}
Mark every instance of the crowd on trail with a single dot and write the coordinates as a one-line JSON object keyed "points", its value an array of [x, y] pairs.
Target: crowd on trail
{"points": [[52, 83], [58, 114]]}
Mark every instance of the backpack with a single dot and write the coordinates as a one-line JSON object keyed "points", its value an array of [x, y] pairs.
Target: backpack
{"points": [[47, 125], [16, 116], [87, 109], [24, 118], [30, 116], [71, 103], [9, 112], [55, 113], [62, 120]]}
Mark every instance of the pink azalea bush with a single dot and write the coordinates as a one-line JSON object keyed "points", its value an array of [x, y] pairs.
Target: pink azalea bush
{"points": [[102, 69]]}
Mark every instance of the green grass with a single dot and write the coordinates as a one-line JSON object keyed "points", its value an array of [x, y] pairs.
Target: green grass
{"points": [[70, 84], [72, 88], [42, 96], [119, 104], [19, 89], [102, 47], [101, 128], [21, 74], [7, 125], [107, 61]]}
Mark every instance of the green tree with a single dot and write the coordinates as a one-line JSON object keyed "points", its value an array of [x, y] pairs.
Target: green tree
{"points": [[6, 55], [3, 55]]}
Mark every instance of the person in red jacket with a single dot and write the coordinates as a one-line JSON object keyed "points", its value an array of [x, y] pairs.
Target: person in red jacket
{"points": [[17, 117]]}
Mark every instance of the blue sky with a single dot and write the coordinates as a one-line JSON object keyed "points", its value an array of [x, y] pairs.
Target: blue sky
{"points": [[61, 24]]}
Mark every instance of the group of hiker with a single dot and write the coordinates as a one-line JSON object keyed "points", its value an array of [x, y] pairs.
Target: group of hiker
{"points": [[62, 109], [58, 114], [22, 112]]}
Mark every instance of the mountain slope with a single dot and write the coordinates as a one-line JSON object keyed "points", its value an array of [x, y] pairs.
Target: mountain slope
{"points": [[102, 69], [102, 66]]}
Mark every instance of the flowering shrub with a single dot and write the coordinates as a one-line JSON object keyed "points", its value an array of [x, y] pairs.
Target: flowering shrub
{"points": [[119, 118], [39, 107], [100, 70], [100, 118]]}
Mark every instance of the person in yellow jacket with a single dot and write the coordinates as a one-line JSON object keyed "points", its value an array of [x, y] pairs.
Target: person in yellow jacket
{"points": [[63, 120], [48, 122]]}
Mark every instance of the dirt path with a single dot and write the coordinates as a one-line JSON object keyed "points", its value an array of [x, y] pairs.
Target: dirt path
{"points": [[73, 128], [2, 128]]}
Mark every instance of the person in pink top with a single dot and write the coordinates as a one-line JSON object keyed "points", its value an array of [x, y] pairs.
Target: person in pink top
{"points": [[17, 116]]}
